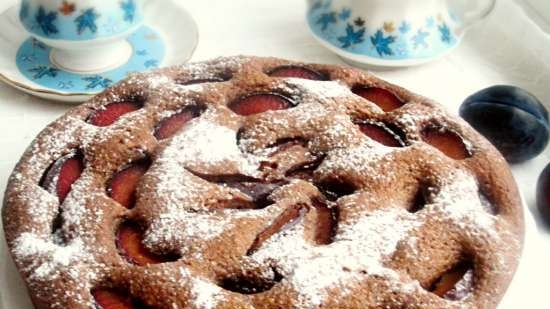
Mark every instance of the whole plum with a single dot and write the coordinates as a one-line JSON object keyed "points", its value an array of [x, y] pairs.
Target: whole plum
{"points": [[543, 194], [514, 120]]}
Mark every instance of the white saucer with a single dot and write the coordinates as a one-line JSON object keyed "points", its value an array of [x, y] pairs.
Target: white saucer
{"points": [[529, 280], [175, 25]]}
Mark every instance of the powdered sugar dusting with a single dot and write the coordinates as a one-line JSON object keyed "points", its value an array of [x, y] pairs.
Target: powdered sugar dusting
{"points": [[204, 143], [52, 257], [41, 205], [207, 295], [56, 143], [183, 226], [356, 159], [318, 90], [458, 199], [360, 248]]}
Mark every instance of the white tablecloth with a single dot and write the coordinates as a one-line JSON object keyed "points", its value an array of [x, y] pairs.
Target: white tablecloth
{"points": [[507, 48]]}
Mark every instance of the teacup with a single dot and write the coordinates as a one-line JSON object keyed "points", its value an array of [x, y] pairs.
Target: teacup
{"points": [[393, 32], [86, 35]]}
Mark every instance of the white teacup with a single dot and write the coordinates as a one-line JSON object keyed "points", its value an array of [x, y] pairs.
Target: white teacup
{"points": [[87, 35], [393, 32]]}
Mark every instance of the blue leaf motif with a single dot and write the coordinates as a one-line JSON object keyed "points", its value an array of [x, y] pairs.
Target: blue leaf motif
{"points": [[352, 37], [46, 21], [43, 71], [405, 27], [142, 52], [445, 33], [65, 85], [129, 8], [152, 63], [97, 81], [345, 14], [87, 20], [419, 39], [430, 22], [382, 43], [28, 58], [326, 19]]}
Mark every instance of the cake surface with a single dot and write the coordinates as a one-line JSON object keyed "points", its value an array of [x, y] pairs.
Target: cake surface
{"points": [[261, 183]]}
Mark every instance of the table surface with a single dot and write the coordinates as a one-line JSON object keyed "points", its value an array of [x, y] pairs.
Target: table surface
{"points": [[500, 50]]}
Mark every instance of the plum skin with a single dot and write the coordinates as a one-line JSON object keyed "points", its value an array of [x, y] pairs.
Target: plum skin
{"points": [[511, 118], [543, 194]]}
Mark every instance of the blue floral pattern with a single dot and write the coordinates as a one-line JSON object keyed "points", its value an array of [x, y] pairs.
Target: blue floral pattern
{"points": [[405, 27], [68, 22], [129, 8], [445, 33], [43, 71], [393, 39], [96, 81], [382, 43], [430, 22], [151, 63], [419, 39], [65, 85], [345, 14], [87, 20], [326, 19], [352, 36], [45, 21]]}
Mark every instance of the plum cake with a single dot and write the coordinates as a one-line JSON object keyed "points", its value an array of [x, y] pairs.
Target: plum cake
{"points": [[261, 183]]}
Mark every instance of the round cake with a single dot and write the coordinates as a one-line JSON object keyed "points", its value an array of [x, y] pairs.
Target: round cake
{"points": [[261, 183]]}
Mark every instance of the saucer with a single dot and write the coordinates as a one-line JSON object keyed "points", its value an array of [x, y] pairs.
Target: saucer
{"points": [[26, 65], [34, 62]]}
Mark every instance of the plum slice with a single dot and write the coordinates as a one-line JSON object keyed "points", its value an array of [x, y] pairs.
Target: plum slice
{"points": [[327, 221], [109, 298], [258, 190], [305, 171], [286, 220], [112, 112], [296, 72], [381, 133], [122, 187], [61, 175], [385, 99], [250, 284], [129, 241], [324, 230], [456, 283], [169, 126], [447, 141], [260, 103]]}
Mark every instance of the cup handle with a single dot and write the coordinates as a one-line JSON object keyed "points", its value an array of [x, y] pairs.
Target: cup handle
{"points": [[469, 12]]}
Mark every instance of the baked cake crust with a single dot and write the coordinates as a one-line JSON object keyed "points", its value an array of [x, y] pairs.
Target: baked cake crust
{"points": [[344, 222]]}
